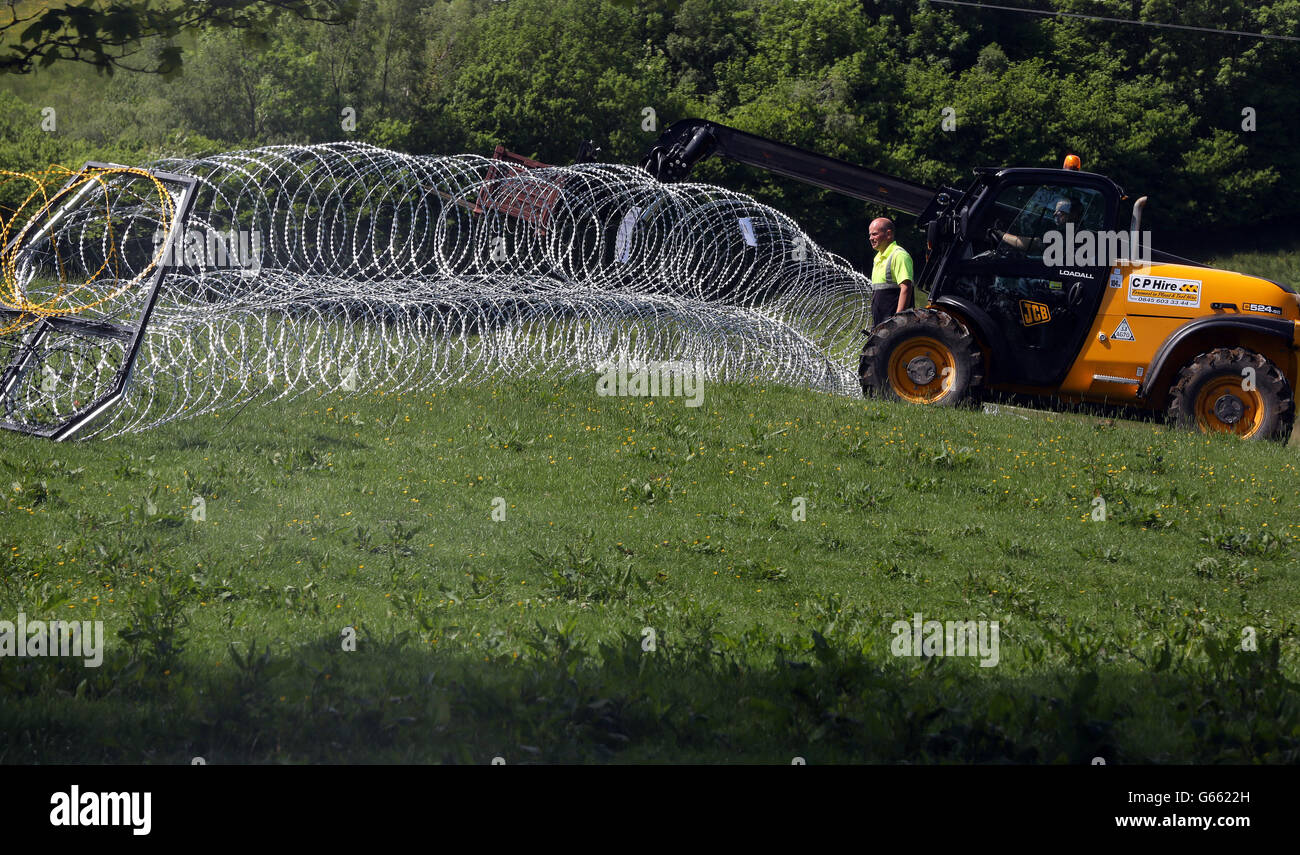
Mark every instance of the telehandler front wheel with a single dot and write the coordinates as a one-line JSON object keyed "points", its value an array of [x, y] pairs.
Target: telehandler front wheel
{"points": [[922, 356], [1233, 390]]}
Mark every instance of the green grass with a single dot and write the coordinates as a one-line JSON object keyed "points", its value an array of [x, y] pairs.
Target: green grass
{"points": [[525, 638], [1272, 257]]}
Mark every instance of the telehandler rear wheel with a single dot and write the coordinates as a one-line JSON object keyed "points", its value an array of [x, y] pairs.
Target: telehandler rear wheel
{"points": [[1233, 390], [922, 356]]}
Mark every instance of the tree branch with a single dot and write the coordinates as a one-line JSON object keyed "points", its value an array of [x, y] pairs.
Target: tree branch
{"points": [[87, 30]]}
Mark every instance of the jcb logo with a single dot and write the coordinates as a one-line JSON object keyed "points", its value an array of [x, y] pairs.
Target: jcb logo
{"points": [[1034, 313]]}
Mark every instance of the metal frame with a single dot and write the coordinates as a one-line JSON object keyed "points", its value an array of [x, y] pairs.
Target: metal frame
{"points": [[132, 334]]}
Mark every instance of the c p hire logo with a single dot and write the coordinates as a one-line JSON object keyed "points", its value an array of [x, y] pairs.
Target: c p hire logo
{"points": [[96, 809], [1164, 291]]}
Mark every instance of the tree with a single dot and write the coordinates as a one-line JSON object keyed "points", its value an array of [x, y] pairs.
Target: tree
{"points": [[541, 77], [110, 34]]}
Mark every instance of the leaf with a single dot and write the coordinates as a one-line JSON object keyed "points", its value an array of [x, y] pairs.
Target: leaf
{"points": [[1163, 659]]}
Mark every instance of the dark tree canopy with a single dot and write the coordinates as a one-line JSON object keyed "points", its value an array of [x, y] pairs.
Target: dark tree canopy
{"points": [[110, 35]]}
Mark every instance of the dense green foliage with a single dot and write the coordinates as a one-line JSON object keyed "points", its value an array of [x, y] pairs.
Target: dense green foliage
{"points": [[1161, 110], [525, 637]]}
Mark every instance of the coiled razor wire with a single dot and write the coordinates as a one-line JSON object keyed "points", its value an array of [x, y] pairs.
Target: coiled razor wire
{"points": [[346, 268]]}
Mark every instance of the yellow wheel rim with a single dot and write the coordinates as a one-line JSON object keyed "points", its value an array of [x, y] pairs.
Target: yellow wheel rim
{"points": [[1223, 406], [921, 370]]}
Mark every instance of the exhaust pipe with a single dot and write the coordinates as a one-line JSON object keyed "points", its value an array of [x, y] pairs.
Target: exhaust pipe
{"points": [[1137, 214], [1138, 252]]}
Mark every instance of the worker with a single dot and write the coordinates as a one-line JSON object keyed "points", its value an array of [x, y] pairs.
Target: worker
{"points": [[891, 272], [1063, 212]]}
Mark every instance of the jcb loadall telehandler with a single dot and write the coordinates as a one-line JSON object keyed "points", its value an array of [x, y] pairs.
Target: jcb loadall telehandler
{"points": [[1011, 311]]}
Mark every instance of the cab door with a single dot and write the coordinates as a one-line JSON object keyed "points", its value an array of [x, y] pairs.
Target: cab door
{"points": [[1025, 263]]}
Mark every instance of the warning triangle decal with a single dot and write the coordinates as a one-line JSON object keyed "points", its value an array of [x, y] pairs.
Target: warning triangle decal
{"points": [[1122, 332]]}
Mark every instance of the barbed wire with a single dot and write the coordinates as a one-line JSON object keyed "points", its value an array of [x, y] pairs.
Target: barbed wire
{"points": [[346, 268], [29, 298]]}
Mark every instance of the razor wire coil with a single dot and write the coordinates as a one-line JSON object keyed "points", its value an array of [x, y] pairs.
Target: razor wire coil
{"points": [[346, 268]]}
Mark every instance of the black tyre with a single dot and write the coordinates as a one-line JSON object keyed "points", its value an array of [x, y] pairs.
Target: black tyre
{"points": [[923, 356], [1233, 390]]}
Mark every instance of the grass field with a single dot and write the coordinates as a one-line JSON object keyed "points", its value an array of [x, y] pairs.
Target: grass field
{"points": [[650, 594], [1279, 263]]}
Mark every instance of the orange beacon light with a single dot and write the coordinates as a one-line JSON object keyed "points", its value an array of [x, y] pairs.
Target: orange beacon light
{"points": [[1072, 162]]}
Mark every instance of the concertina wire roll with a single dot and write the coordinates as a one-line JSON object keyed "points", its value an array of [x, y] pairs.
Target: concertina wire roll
{"points": [[349, 269]]}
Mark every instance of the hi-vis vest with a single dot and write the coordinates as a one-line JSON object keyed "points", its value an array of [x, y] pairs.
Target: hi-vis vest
{"points": [[889, 270]]}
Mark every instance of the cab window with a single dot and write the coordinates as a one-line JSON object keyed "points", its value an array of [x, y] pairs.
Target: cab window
{"points": [[1020, 221]]}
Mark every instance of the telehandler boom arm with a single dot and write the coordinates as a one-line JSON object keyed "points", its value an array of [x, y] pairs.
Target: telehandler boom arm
{"points": [[689, 141]]}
